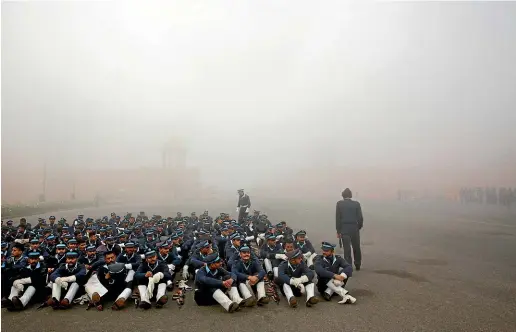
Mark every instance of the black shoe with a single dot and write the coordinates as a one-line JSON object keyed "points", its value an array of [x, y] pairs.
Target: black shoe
{"points": [[326, 296], [6, 303], [357, 267]]}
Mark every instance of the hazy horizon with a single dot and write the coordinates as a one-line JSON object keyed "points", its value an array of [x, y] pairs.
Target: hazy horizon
{"points": [[258, 89]]}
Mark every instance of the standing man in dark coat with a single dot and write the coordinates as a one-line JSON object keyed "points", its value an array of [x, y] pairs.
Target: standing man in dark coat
{"points": [[349, 222], [244, 205]]}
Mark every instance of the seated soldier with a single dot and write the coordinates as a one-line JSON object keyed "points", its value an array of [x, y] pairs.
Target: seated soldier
{"points": [[212, 283], [108, 283], [196, 261], [250, 274], [69, 276], [170, 259], [30, 283], [306, 248], [333, 272], [151, 273], [272, 254], [296, 273], [132, 261]]}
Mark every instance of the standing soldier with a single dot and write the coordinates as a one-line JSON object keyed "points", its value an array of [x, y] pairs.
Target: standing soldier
{"points": [[349, 222], [244, 204]]}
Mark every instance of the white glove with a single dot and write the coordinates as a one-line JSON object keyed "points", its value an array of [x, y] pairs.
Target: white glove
{"points": [[279, 237], [69, 279], [157, 277], [344, 275], [41, 258], [301, 288], [303, 279], [150, 288], [178, 249], [64, 285], [171, 267], [129, 266], [247, 210], [185, 272], [18, 241], [59, 282], [308, 254], [23, 281], [337, 283], [18, 286], [179, 256], [294, 282], [281, 256], [122, 245], [142, 256], [237, 209]]}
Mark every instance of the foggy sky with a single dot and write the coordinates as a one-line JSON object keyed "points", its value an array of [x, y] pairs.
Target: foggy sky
{"points": [[259, 87]]}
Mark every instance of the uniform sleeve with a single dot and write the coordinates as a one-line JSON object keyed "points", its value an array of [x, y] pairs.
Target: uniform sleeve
{"points": [[310, 247], [80, 276], [337, 218], [360, 218], [140, 272], [56, 274], [196, 262], [282, 273], [307, 272], [202, 279], [259, 268], [166, 272], [346, 267]]}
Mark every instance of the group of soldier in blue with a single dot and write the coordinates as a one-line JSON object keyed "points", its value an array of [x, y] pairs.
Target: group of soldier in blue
{"points": [[114, 260]]}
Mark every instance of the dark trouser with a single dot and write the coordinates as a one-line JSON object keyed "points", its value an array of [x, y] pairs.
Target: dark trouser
{"points": [[351, 238], [321, 284], [242, 214]]}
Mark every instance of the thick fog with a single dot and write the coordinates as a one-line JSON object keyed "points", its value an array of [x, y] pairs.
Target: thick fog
{"points": [[258, 89]]}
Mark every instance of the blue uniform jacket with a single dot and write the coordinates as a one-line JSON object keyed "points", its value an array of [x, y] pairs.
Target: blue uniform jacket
{"points": [[287, 271], [242, 269], [327, 267]]}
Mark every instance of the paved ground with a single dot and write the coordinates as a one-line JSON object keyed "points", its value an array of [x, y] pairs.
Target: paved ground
{"points": [[425, 268]]}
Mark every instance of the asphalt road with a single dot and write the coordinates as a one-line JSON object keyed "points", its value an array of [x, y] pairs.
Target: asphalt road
{"points": [[425, 268]]}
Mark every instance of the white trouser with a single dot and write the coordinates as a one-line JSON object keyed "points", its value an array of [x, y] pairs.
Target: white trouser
{"points": [[162, 288], [70, 294], [130, 276], [95, 286], [310, 291], [222, 299], [268, 264], [276, 272], [27, 295], [14, 292], [144, 296], [126, 293], [244, 290], [288, 291], [234, 296], [260, 290]]}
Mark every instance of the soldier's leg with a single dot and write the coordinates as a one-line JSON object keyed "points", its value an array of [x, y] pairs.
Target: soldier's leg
{"points": [[70, 295], [357, 252], [346, 245], [21, 303], [260, 293], [225, 301], [249, 298], [144, 294], [310, 294], [161, 297]]}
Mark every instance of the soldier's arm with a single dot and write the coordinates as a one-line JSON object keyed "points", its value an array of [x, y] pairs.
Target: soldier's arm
{"points": [[360, 218], [337, 218]]}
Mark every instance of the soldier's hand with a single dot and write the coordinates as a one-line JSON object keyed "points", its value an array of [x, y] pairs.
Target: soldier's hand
{"points": [[107, 275], [228, 283], [50, 270], [87, 266], [339, 277], [253, 280], [148, 274]]}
